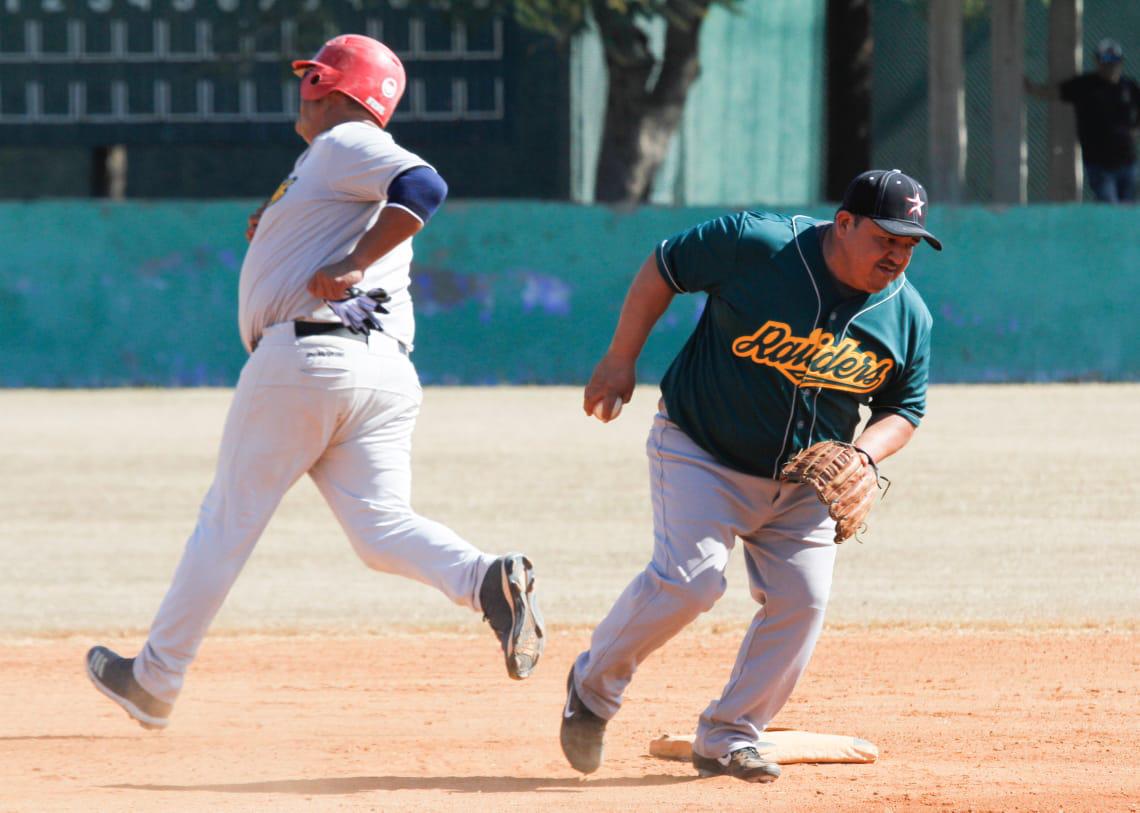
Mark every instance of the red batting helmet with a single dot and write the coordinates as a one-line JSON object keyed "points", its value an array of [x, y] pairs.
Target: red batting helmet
{"points": [[359, 67]]}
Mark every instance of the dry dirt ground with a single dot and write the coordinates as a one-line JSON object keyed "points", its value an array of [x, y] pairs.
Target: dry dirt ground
{"points": [[986, 637]]}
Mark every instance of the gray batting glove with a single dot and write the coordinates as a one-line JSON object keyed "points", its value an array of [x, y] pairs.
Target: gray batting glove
{"points": [[357, 311]]}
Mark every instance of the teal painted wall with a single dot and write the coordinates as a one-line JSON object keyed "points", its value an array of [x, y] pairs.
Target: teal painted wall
{"points": [[145, 294]]}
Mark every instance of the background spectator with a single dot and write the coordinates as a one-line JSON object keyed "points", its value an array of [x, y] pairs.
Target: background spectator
{"points": [[1107, 105]]}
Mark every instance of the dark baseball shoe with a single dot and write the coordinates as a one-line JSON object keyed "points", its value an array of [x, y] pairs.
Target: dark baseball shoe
{"points": [[113, 675], [743, 763], [583, 732], [510, 607]]}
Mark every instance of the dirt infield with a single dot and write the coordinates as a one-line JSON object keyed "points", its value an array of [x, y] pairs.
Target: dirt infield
{"points": [[964, 721], [986, 637]]}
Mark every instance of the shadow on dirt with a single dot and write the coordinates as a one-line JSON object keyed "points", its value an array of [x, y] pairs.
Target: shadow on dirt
{"points": [[457, 784]]}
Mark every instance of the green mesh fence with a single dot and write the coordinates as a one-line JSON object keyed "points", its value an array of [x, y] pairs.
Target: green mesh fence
{"points": [[899, 102]]}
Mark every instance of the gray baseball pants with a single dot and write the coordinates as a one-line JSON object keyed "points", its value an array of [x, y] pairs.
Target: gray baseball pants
{"points": [[343, 412], [699, 509]]}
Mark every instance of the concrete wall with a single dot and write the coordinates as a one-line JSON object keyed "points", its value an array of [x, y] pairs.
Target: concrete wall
{"points": [[145, 294]]}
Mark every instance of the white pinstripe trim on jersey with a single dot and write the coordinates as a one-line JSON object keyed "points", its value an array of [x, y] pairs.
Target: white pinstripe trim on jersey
{"points": [[406, 209], [814, 412], [883, 301], [664, 264], [842, 335], [795, 390]]}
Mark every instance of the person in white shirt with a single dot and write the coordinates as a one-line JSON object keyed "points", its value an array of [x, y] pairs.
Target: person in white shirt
{"points": [[329, 389]]}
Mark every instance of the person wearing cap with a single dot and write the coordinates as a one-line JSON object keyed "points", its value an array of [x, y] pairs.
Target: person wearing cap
{"points": [[1107, 106], [805, 322], [329, 389]]}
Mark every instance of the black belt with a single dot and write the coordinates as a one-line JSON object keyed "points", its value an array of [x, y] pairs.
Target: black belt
{"points": [[301, 329]]}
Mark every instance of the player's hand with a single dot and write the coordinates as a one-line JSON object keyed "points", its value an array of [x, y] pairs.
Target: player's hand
{"points": [[251, 223], [611, 385], [333, 281]]}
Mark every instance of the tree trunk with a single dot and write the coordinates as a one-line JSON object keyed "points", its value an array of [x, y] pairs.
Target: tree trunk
{"points": [[640, 118], [850, 57]]}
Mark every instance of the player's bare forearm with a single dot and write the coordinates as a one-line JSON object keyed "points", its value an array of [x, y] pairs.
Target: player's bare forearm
{"points": [[648, 298], [884, 435], [615, 375], [393, 227], [1041, 90]]}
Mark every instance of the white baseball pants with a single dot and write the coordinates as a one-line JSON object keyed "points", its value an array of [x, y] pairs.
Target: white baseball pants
{"points": [[699, 509], [343, 411]]}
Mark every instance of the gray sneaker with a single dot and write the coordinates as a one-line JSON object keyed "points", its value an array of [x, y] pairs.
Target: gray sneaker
{"points": [[743, 763], [583, 732], [510, 607], [113, 675]]}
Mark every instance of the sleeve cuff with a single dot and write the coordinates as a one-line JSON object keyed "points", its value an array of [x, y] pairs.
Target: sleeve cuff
{"points": [[665, 271], [911, 415], [391, 205]]}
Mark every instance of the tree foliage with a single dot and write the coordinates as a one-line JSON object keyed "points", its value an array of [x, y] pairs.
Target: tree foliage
{"points": [[562, 19]]}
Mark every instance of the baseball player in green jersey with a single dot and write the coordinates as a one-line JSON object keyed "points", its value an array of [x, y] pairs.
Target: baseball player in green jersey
{"points": [[805, 321]]}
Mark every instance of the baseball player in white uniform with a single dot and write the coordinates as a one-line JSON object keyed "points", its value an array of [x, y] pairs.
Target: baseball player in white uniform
{"points": [[329, 389]]}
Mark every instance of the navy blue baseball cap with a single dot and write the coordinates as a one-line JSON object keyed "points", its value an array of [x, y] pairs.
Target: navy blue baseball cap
{"points": [[893, 199], [1109, 51]]}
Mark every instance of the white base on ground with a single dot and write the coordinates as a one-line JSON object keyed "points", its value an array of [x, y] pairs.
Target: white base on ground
{"points": [[783, 746]]}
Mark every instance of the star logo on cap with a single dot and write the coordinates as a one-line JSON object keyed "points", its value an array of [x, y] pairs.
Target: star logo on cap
{"points": [[916, 204]]}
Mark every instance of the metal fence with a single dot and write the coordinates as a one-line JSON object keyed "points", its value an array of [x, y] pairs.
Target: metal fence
{"points": [[201, 93], [121, 64]]}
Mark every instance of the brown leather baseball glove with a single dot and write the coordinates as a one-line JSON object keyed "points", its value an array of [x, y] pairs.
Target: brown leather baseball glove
{"points": [[845, 478]]}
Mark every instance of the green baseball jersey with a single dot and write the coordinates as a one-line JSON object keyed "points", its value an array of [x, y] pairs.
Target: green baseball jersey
{"points": [[783, 355]]}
